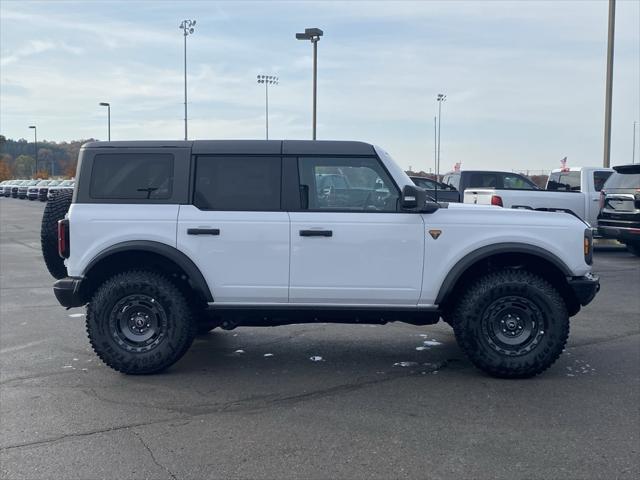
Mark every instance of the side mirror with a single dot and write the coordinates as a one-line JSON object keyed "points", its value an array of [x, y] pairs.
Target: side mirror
{"points": [[415, 199]]}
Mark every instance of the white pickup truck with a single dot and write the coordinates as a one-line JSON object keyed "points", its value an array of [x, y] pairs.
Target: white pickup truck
{"points": [[574, 190]]}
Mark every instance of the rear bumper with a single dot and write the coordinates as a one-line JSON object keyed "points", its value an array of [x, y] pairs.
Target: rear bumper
{"points": [[67, 291], [585, 288], [620, 233]]}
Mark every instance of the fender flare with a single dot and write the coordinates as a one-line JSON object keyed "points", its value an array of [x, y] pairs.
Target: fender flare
{"points": [[484, 252], [171, 253]]}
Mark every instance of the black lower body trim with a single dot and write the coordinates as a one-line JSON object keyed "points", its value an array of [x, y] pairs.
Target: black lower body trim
{"points": [[232, 316], [67, 291], [585, 288]]}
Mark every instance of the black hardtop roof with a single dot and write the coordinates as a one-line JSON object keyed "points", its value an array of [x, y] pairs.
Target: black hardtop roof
{"points": [[273, 147]]}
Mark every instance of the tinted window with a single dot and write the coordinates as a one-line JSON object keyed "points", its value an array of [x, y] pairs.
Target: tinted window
{"points": [[564, 181], [132, 176], [599, 178], [517, 182], [238, 183], [483, 180], [357, 184]]}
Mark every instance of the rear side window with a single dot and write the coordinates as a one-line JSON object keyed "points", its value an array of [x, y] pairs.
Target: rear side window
{"points": [[564, 181], [238, 183], [483, 180], [599, 178], [131, 176]]}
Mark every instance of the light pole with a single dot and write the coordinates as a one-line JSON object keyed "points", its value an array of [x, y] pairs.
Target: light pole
{"points": [[633, 155], [187, 29], [35, 143], [440, 98], [606, 162], [108, 105], [314, 35], [267, 80]]}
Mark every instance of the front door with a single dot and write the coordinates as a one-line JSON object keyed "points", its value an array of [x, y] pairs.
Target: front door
{"points": [[235, 231], [349, 242]]}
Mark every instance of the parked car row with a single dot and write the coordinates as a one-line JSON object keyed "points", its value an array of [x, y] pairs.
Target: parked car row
{"points": [[42, 190], [608, 199]]}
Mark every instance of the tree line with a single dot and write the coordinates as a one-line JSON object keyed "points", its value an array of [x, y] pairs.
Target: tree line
{"points": [[17, 158]]}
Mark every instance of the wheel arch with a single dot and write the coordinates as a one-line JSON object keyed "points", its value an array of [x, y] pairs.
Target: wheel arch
{"points": [[150, 255], [505, 255]]}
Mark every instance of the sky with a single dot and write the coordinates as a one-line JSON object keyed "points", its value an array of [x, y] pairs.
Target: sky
{"points": [[525, 81]]}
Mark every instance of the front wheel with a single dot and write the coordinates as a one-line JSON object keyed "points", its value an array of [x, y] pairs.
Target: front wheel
{"points": [[511, 324], [139, 323]]}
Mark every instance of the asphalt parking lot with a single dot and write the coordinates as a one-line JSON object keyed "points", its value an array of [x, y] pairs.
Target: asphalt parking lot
{"points": [[310, 401]]}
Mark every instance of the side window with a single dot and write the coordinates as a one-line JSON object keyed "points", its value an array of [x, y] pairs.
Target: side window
{"points": [[516, 182], [238, 183], [349, 184], [599, 177], [132, 176], [483, 180]]}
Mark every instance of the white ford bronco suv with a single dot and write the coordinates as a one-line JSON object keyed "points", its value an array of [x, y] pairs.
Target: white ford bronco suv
{"points": [[164, 239]]}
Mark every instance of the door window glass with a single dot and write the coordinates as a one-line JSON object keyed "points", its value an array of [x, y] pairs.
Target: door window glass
{"points": [[238, 183], [517, 182], [349, 184]]}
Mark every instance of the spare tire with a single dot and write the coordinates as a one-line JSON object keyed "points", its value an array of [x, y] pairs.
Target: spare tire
{"points": [[55, 210]]}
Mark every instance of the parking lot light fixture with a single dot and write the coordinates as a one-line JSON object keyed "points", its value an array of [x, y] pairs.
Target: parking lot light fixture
{"points": [[440, 98], [187, 27], [313, 34], [108, 105], [267, 80], [35, 143]]}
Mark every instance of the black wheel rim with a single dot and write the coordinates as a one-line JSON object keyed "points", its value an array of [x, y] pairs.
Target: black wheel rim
{"points": [[513, 325], [138, 323]]}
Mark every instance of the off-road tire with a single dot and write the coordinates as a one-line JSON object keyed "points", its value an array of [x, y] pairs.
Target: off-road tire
{"points": [[634, 248], [55, 210], [149, 292], [489, 301]]}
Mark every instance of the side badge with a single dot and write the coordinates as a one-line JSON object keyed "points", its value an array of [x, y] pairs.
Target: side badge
{"points": [[435, 233]]}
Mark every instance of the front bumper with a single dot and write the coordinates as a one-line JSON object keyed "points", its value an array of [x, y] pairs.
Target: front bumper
{"points": [[67, 291], [585, 288]]}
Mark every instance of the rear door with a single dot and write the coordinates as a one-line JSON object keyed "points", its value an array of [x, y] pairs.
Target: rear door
{"points": [[235, 229], [352, 246]]}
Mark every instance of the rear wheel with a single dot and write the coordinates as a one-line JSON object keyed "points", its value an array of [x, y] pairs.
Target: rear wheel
{"points": [[511, 324], [54, 211], [139, 322]]}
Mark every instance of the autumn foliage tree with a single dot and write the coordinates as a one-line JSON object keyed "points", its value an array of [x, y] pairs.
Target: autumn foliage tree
{"points": [[5, 171]]}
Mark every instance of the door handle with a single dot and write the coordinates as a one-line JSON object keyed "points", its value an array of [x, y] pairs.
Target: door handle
{"points": [[316, 233], [203, 231]]}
